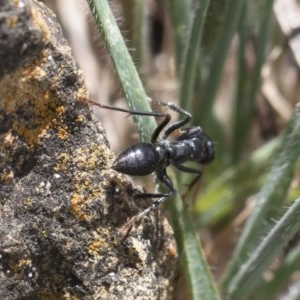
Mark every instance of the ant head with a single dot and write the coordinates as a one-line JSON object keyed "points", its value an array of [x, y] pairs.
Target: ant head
{"points": [[209, 150]]}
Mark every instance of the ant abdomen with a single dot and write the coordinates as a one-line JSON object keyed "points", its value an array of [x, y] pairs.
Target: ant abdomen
{"points": [[138, 160]]}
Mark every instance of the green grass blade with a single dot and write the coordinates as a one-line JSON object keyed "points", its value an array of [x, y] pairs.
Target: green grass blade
{"points": [[192, 55], [250, 273], [281, 276], [234, 184], [270, 198], [140, 32], [232, 15], [241, 89], [197, 271], [244, 112], [181, 12], [135, 13], [293, 292], [127, 73]]}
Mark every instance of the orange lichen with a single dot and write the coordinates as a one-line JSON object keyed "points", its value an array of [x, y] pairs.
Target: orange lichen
{"points": [[34, 72], [172, 250], [99, 246], [45, 130], [76, 205], [63, 133], [60, 109]]}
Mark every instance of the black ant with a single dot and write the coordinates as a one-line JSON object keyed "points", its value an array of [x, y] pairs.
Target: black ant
{"points": [[192, 144]]}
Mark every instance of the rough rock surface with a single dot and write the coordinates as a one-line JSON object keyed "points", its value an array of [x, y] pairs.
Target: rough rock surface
{"points": [[63, 211]]}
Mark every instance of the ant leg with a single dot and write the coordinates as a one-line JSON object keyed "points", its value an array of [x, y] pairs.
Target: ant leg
{"points": [[162, 177], [153, 195], [128, 111], [187, 169], [178, 124], [191, 184], [128, 225], [151, 207], [159, 127]]}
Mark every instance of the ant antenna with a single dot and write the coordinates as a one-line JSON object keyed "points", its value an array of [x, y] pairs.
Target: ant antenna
{"points": [[145, 212], [153, 206]]}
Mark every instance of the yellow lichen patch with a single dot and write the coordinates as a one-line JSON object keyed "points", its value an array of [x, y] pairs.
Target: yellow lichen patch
{"points": [[81, 157], [60, 109], [45, 130], [43, 109], [106, 156], [28, 202], [98, 246], [29, 101], [43, 234], [6, 177], [80, 119], [63, 133], [46, 96], [39, 22], [172, 250], [102, 242], [84, 191], [63, 162], [85, 197], [88, 157], [12, 22], [9, 139], [61, 128], [33, 72], [77, 202], [23, 263], [94, 189], [82, 182], [30, 135], [82, 95], [92, 162]]}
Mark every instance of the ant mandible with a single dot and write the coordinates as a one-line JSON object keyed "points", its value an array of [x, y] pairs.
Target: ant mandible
{"points": [[140, 159]]}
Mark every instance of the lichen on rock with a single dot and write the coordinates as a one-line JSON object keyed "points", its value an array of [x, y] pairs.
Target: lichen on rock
{"points": [[61, 206]]}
